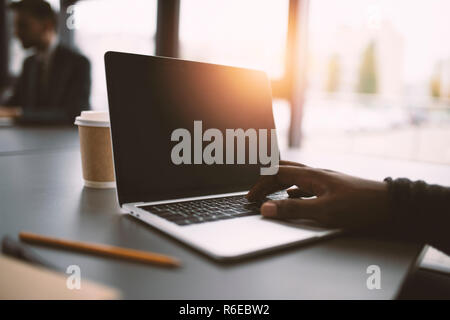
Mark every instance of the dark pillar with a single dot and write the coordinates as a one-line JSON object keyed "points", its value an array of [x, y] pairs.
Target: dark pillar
{"points": [[167, 28], [4, 72]]}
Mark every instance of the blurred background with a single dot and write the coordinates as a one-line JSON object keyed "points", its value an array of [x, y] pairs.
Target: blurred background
{"points": [[367, 77]]}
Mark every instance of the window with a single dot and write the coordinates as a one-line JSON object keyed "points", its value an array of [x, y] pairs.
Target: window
{"points": [[113, 25], [250, 33], [379, 78]]}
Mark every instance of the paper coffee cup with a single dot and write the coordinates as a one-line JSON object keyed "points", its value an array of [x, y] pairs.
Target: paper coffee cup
{"points": [[95, 148]]}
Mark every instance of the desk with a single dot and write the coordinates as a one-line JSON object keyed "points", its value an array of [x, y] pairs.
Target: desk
{"points": [[43, 192], [29, 139]]}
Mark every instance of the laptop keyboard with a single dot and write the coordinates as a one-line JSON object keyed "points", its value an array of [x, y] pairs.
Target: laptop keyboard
{"points": [[208, 210]]}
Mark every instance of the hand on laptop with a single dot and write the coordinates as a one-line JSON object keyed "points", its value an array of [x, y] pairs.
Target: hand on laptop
{"points": [[331, 198]]}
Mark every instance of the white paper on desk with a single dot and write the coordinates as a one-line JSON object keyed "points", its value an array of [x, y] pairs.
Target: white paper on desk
{"points": [[23, 281], [436, 260]]}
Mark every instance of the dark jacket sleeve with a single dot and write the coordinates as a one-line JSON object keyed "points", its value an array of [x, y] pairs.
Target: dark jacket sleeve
{"points": [[421, 210]]}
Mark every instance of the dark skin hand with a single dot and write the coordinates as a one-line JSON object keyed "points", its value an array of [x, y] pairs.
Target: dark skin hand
{"points": [[331, 198]]}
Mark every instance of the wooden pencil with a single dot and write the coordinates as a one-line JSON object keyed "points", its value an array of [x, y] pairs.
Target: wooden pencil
{"points": [[100, 249]]}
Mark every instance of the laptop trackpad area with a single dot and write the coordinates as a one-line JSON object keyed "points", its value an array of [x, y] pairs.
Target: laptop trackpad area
{"points": [[240, 236]]}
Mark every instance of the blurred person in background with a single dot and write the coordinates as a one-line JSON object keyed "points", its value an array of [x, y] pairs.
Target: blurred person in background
{"points": [[55, 82]]}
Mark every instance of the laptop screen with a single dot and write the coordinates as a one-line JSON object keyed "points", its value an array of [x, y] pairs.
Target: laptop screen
{"points": [[151, 97]]}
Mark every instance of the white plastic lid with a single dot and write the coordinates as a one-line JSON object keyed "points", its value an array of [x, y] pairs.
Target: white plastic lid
{"points": [[93, 119]]}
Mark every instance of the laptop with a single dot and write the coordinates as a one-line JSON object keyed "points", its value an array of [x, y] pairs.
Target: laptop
{"points": [[200, 203]]}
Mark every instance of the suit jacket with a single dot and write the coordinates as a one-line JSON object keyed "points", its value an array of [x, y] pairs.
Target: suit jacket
{"points": [[69, 87]]}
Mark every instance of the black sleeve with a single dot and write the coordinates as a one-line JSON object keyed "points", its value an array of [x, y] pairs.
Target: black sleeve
{"points": [[421, 211]]}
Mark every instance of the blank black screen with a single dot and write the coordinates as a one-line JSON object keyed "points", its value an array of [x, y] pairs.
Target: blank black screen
{"points": [[149, 97]]}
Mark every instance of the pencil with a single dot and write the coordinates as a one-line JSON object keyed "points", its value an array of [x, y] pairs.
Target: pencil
{"points": [[100, 249]]}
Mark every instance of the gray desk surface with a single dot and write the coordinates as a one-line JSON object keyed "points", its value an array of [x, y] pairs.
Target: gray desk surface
{"points": [[42, 192], [18, 140]]}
